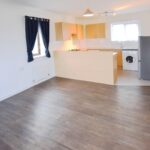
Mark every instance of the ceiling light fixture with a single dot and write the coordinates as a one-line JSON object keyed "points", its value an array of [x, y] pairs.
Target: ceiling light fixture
{"points": [[88, 13]]}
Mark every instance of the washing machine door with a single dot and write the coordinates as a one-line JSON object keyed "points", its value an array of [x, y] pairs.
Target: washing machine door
{"points": [[129, 59]]}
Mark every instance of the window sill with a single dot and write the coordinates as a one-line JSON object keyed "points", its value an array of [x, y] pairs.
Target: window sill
{"points": [[38, 56], [123, 41]]}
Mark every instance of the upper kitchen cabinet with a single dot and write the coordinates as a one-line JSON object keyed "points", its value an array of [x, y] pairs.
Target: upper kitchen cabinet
{"points": [[95, 30], [80, 32], [62, 31], [68, 31]]}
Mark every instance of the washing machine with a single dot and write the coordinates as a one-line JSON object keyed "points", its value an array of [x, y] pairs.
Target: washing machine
{"points": [[130, 60]]}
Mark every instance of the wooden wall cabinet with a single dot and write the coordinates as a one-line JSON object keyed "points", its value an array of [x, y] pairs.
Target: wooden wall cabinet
{"points": [[68, 31], [62, 31], [80, 32], [95, 30]]}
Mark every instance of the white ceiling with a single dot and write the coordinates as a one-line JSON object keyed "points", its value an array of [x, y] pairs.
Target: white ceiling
{"points": [[77, 7]]}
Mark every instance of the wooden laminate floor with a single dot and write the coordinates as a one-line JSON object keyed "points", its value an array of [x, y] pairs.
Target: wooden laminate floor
{"points": [[63, 114]]}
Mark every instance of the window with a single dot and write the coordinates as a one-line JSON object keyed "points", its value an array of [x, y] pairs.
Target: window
{"points": [[124, 32], [38, 49]]}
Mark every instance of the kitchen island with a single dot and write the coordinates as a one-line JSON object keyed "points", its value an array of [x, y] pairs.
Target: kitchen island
{"points": [[92, 65]]}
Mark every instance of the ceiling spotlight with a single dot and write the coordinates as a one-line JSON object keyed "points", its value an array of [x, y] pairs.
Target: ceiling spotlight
{"points": [[108, 13], [88, 13]]}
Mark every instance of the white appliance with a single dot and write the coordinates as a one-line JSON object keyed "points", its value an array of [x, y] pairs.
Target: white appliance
{"points": [[130, 60]]}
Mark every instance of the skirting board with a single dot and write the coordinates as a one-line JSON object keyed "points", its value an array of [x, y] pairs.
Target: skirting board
{"points": [[17, 92]]}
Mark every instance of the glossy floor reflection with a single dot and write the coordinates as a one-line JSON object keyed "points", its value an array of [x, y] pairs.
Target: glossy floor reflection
{"points": [[63, 114]]}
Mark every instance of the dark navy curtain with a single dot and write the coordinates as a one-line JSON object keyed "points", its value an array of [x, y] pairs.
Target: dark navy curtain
{"points": [[44, 25], [31, 28]]}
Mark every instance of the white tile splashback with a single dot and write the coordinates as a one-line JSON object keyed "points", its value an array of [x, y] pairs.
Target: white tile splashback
{"points": [[97, 43], [103, 43]]}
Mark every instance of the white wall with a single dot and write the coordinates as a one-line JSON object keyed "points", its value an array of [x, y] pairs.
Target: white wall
{"points": [[140, 17], [16, 74]]}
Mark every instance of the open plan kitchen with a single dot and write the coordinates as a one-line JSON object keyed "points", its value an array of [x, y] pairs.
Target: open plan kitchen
{"points": [[104, 52]]}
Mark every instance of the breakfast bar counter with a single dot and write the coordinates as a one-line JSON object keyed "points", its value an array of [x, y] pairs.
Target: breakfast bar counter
{"points": [[93, 65]]}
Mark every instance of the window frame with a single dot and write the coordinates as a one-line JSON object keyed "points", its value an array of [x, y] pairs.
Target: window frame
{"points": [[38, 46], [124, 23], [40, 50]]}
